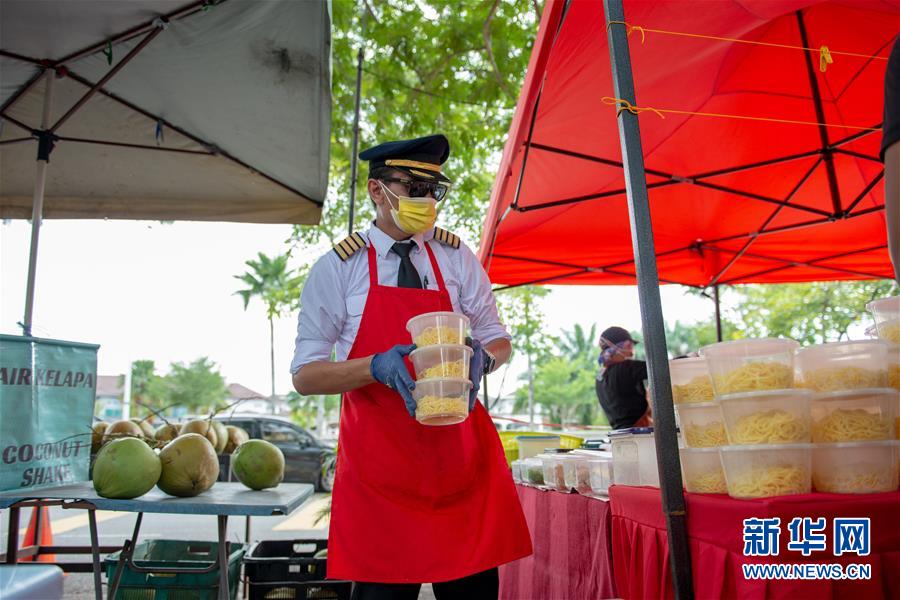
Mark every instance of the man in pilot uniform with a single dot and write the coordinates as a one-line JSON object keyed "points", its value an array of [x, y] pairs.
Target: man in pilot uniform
{"points": [[411, 503]]}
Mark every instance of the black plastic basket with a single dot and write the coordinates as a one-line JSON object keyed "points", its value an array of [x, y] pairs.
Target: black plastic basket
{"points": [[287, 570]]}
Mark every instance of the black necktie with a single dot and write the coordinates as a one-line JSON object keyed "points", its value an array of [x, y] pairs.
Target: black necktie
{"points": [[407, 277]]}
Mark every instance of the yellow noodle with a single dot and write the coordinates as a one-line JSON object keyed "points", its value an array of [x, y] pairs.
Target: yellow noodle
{"points": [[698, 389], [890, 333], [438, 335], [705, 436], [710, 482], [851, 425], [432, 406], [755, 376], [853, 480], [844, 378], [765, 482], [447, 369], [769, 427], [894, 376]]}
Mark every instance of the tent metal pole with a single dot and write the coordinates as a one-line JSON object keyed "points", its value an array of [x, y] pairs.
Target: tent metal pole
{"points": [[718, 313], [673, 504], [37, 204], [354, 159]]}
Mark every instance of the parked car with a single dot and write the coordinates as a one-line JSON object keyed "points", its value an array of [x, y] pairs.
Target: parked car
{"points": [[306, 459]]}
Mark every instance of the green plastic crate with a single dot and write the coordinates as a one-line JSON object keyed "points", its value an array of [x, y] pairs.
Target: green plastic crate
{"points": [[166, 554]]}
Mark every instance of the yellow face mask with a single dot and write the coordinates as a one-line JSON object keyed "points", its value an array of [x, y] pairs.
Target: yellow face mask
{"points": [[412, 215]]}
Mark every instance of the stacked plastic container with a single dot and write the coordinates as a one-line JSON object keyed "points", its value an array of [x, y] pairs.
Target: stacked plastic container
{"points": [[441, 363], [784, 420]]}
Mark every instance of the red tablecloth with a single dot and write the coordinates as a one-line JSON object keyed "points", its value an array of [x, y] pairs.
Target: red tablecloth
{"points": [[572, 554], [715, 529]]}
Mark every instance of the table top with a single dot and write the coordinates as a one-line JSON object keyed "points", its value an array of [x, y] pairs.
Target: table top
{"points": [[233, 499]]}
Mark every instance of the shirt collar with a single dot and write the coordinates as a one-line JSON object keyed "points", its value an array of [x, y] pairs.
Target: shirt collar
{"points": [[383, 242]]}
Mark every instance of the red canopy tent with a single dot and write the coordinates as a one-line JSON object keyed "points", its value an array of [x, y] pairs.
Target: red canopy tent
{"points": [[733, 200]]}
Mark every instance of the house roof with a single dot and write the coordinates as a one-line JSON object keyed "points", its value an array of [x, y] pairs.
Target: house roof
{"points": [[240, 392]]}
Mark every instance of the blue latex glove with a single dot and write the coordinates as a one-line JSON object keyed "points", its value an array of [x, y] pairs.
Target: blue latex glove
{"points": [[476, 370], [390, 369]]}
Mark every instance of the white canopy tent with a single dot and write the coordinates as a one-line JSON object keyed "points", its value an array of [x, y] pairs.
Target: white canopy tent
{"points": [[213, 110]]}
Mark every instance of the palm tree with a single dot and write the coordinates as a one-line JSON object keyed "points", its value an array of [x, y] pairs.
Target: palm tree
{"points": [[579, 347], [278, 287]]}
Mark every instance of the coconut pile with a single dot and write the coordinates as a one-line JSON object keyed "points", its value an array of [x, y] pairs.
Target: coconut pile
{"points": [[182, 461]]}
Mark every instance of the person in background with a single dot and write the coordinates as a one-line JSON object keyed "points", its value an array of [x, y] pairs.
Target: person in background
{"points": [[620, 384], [890, 154]]}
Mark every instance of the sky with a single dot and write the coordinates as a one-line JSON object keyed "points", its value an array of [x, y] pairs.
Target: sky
{"points": [[165, 292]]}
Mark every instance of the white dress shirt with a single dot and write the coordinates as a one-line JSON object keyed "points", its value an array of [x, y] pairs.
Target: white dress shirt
{"points": [[335, 293]]}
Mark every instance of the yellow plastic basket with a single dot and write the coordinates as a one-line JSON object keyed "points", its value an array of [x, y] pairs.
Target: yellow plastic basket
{"points": [[511, 447]]}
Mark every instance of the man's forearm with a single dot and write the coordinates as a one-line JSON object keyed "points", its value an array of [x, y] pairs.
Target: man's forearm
{"points": [[326, 377], [501, 350]]}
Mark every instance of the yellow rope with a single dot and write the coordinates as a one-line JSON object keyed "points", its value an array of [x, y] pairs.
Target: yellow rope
{"points": [[825, 55], [626, 105]]}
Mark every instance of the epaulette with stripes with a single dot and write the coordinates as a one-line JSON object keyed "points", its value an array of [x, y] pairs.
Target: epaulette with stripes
{"points": [[350, 245], [446, 238]]}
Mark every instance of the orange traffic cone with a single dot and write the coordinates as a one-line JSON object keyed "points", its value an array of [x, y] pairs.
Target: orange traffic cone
{"points": [[46, 535]]}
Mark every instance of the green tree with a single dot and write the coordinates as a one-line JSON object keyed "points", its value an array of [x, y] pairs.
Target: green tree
{"points": [[197, 386], [312, 411], [270, 280], [520, 310], [810, 313], [581, 349], [147, 388], [684, 338], [429, 66], [564, 390]]}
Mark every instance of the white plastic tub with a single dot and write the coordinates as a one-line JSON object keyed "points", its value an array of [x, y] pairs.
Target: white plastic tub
{"points": [[577, 472], [441, 360], [532, 445], [442, 401], [751, 365], [770, 417], [855, 467], [854, 415], [554, 475], [438, 328], [886, 312], [634, 456], [844, 365], [768, 470], [690, 380], [702, 425], [893, 359], [533, 471], [601, 476], [701, 470], [517, 470]]}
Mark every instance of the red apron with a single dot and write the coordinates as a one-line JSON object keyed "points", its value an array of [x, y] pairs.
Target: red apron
{"points": [[415, 503]]}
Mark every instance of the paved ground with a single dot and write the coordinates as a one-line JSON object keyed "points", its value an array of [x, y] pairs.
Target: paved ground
{"points": [[70, 527]]}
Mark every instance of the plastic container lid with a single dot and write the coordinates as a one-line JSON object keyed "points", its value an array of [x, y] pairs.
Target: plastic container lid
{"points": [[631, 431], [765, 393], [750, 347], [762, 447]]}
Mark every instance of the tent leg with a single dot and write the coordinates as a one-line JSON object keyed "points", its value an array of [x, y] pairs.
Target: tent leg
{"points": [[37, 205], [354, 159], [651, 306], [718, 313]]}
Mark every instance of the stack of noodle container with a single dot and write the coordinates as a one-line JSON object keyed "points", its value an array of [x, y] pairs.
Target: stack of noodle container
{"points": [[441, 363], [770, 419]]}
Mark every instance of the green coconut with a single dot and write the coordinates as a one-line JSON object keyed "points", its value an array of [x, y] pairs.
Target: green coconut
{"points": [[167, 433], [189, 466], [221, 436], [122, 429], [204, 427], [97, 431], [258, 464], [146, 428], [236, 437], [125, 468]]}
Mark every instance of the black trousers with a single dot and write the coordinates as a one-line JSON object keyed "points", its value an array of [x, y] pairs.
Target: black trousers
{"points": [[480, 586]]}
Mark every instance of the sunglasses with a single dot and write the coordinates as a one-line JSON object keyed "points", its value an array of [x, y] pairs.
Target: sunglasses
{"points": [[420, 189]]}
